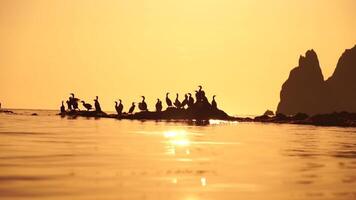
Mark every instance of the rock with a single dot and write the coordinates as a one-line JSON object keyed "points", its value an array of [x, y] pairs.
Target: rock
{"points": [[305, 91], [269, 113], [34, 114]]}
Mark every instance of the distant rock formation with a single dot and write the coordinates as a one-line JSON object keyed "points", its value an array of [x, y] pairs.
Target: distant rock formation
{"points": [[305, 91]]}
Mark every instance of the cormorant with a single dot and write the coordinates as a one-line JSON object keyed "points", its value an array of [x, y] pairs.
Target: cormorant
{"points": [[63, 109], [132, 108], [213, 103], [97, 104], [69, 105], [142, 105], [87, 106], [190, 100], [159, 105], [119, 107], [74, 102], [168, 101], [185, 101], [177, 102]]}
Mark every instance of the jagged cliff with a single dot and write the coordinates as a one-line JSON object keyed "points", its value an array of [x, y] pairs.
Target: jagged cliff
{"points": [[305, 91]]}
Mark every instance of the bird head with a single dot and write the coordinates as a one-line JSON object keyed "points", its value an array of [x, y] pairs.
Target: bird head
{"points": [[190, 94], [115, 102], [200, 87], [143, 97], [83, 101], [96, 97], [214, 96], [167, 94], [120, 100], [133, 103], [72, 94]]}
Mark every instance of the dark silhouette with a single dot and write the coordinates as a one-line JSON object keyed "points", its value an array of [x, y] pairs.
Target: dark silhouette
{"points": [[142, 105], [213, 103], [87, 106], [190, 100], [73, 102], [159, 105], [268, 113], [119, 107], [97, 104], [63, 110], [305, 91], [185, 101], [177, 103], [168, 101], [0, 105], [69, 105], [132, 108]]}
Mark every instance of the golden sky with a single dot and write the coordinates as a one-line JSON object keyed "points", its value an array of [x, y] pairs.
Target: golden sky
{"points": [[240, 50]]}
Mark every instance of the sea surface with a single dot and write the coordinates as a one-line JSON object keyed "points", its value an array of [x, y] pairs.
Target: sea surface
{"points": [[49, 157]]}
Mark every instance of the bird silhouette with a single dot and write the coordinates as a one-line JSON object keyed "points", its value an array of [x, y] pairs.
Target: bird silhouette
{"points": [[177, 102], [119, 107], [185, 101], [190, 100], [63, 109], [132, 108], [73, 101], [168, 101], [213, 103], [142, 105], [97, 104], [87, 106], [159, 105], [69, 105]]}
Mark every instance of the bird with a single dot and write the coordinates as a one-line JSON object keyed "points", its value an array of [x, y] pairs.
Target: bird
{"points": [[142, 105], [213, 103], [69, 105], [74, 102], [87, 106], [97, 104], [177, 102], [159, 105], [185, 101], [190, 100], [168, 101], [63, 109], [119, 107], [132, 108]]}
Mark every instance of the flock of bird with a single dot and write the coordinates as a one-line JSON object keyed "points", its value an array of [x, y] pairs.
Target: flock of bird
{"points": [[72, 103]]}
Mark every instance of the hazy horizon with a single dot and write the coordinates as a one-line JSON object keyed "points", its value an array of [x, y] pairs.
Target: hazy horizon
{"points": [[242, 51]]}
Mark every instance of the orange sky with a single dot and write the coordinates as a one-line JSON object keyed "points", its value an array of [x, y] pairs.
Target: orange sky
{"points": [[242, 51]]}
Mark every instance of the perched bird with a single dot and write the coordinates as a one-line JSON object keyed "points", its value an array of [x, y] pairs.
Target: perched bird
{"points": [[74, 102], [63, 109], [159, 105], [119, 107], [69, 105], [87, 106], [177, 102], [168, 101], [132, 108], [97, 104], [185, 101], [142, 105], [190, 100], [213, 103]]}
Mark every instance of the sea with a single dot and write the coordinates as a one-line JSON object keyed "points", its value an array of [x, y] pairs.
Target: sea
{"points": [[51, 157]]}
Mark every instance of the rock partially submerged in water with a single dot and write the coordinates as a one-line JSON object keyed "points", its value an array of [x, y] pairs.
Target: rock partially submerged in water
{"points": [[6, 111], [201, 113], [343, 119]]}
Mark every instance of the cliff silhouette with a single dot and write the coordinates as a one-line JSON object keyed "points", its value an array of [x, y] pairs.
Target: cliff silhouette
{"points": [[306, 91]]}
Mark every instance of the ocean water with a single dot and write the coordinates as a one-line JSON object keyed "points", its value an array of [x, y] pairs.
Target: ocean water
{"points": [[49, 157]]}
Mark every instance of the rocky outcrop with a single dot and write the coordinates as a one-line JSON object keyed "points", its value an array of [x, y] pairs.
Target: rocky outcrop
{"points": [[305, 91]]}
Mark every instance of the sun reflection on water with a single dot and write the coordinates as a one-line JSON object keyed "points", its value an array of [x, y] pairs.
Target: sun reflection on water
{"points": [[178, 140]]}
